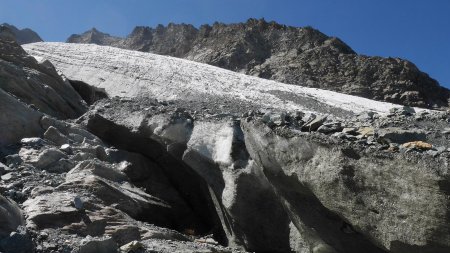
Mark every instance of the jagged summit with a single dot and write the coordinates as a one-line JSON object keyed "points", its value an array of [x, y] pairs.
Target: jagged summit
{"points": [[294, 55], [23, 36], [93, 36]]}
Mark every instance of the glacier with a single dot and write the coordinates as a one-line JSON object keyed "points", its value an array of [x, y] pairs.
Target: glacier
{"points": [[127, 73]]}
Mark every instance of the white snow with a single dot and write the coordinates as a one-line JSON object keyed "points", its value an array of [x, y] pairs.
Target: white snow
{"points": [[128, 73], [213, 141]]}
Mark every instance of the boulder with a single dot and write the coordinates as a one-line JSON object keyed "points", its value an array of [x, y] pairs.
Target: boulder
{"points": [[98, 245], [37, 85], [17, 242], [314, 124], [417, 145], [343, 199], [399, 135], [52, 134], [11, 217], [18, 120], [42, 160], [51, 210]]}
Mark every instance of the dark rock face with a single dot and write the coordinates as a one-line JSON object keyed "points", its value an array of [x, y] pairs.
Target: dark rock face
{"points": [[37, 83], [22, 36], [302, 56], [89, 93]]}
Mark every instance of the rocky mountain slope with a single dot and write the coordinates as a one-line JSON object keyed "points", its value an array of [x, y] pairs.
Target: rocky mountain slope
{"points": [[178, 156], [302, 56], [22, 36]]}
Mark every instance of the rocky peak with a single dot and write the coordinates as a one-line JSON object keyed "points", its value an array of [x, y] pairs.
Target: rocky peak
{"points": [[22, 36], [93, 36], [6, 33]]}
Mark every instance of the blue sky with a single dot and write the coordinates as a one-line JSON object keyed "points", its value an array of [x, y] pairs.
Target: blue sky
{"points": [[417, 30]]}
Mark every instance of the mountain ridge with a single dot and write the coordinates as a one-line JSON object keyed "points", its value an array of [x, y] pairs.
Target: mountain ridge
{"points": [[293, 55], [22, 36]]}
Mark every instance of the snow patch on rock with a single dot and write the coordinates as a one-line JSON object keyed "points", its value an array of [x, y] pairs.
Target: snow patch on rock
{"points": [[213, 141]]}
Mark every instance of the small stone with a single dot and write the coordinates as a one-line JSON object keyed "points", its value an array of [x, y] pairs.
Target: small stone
{"points": [[3, 169], [78, 203], [43, 235], [54, 135], [66, 148], [8, 176], [350, 130], [417, 145], [445, 131], [131, 247], [98, 245], [32, 142], [274, 119], [405, 110], [314, 124], [398, 135], [330, 128], [366, 116], [13, 160], [366, 131]]}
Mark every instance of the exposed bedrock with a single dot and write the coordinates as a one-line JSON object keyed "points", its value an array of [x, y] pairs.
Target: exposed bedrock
{"points": [[17, 120], [10, 217], [345, 199], [37, 84]]}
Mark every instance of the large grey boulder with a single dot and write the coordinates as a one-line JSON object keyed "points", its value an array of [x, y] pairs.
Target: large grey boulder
{"points": [[346, 199], [17, 120], [18, 242], [37, 83], [98, 245], [11, 217]]}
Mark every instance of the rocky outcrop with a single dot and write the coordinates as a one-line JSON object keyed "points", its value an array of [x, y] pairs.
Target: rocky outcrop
{"points": [[341, 196], [301, 56], [94, 36], [37, 83], [11, 217], [17, 120], [22, 36]]}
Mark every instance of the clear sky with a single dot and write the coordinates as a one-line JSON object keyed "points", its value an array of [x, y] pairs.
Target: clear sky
{"points": [[417, 30]]}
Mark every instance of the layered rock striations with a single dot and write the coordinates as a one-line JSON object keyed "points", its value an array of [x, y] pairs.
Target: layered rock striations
{"points": [[37, 83], [301, 56]]}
